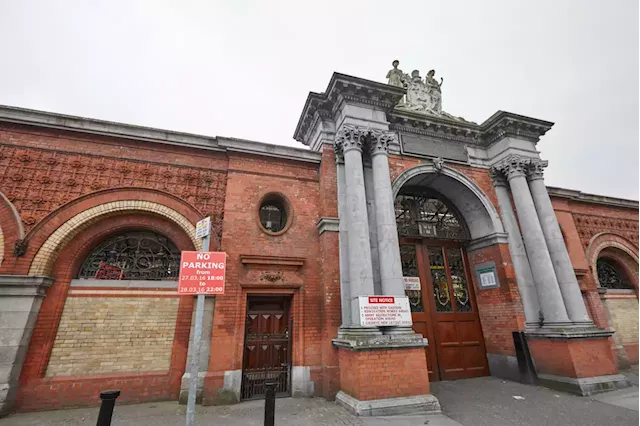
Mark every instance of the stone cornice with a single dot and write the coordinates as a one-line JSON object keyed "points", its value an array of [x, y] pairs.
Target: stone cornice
{"points": [[328, 224], [504, 124], [221, 144], [436, 127], [573, 195], [24, 285], [343, 89]]}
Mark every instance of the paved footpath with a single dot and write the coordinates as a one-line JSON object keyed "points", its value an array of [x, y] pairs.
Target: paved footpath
{"points": [[486, 401], [489, 401]]}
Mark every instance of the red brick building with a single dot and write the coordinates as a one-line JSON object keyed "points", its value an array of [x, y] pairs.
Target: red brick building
{"points": [[94, 214]]}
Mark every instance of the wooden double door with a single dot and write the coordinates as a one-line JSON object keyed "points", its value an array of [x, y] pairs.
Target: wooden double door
{"points": [[443, 308]]}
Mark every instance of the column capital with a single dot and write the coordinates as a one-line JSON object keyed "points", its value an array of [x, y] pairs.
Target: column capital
{"points": [[350, 137], [513, 166], [497, 178], [380, 140], [536, 169]]}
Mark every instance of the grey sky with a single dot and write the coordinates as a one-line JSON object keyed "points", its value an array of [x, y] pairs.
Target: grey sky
{"points": [[244, 68]]}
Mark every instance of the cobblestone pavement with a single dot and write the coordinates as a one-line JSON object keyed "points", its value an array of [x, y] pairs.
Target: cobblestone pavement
{"points": [[289, 412], [489, 401]]}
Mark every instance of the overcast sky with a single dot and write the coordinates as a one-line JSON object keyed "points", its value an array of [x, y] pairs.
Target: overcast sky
{"points": [[244, 68]]}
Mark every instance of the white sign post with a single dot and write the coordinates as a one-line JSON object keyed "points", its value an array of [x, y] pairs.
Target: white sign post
{"points": [[385, 311], [203, 228]]}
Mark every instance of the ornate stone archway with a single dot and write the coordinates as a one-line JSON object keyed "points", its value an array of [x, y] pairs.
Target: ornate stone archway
{"points": [[477, 210]]}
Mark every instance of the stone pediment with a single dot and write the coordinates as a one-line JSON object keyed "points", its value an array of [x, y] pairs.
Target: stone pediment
{"points": [[271, 271], [342, 89]]}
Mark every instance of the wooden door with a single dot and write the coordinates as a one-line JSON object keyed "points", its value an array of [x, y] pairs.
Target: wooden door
{"points": [[413, 258], [457, 332], [267, 348]]}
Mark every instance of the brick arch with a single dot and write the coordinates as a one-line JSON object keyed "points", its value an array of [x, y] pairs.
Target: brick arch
{"points": [[11, 228], [624, 252], [50, 238], [83, 390]]}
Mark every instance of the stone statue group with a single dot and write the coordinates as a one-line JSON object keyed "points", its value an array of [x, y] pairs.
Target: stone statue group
{"points": [[422, 95]]}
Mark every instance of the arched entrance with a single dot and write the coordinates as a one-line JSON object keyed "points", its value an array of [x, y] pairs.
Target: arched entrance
{"points": [[438, 216]]}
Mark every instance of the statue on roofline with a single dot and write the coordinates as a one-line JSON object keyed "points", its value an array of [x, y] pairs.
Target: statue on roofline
{"points": [[424, 96]]}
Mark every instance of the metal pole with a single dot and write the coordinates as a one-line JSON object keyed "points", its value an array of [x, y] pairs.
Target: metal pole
{"points": [[269, 404], [195, 353], [106, 408]]}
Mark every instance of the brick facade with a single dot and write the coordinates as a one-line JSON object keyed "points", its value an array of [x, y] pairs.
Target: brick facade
{"points": [[64, 191]]}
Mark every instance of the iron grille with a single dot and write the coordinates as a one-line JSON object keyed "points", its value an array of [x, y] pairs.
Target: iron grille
{"points": [[267, 359], [133, 256]]}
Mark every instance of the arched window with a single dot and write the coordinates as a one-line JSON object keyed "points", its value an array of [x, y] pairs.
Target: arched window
{"points": [[139, 255], [427, 214], [611, 276]]}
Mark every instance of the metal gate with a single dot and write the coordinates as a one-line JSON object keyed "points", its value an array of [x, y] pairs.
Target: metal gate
{"points": [[267, 352]]}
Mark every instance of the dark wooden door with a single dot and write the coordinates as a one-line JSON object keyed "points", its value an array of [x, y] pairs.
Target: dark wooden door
{"points": [[454, 314], [444, 309], [267, 347], [413, 258]]}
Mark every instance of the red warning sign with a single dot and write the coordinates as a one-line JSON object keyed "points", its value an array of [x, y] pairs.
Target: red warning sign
{"points": [[202, 272]]}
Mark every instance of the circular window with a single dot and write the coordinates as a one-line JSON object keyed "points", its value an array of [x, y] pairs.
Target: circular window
{"points": [[274, 214]]}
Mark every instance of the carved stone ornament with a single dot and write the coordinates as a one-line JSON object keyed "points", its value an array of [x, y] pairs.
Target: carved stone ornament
{"points": [[497, 178], [272, 276], [20, 248], [355, 137], [536, 169], [438, 164], [350, 137], [423, 96], [380, 141], [514, 165]]}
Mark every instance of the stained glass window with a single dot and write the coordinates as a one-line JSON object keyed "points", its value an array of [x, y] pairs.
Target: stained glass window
{"points": [[459, 280], [133, 256], [441, 294], [426, 215], [610, 275], [410, 269]]}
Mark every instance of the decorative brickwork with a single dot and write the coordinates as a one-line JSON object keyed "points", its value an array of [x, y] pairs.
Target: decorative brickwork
{"points": [[46, 255], [110, 335], [38, 181], [592, 224]]}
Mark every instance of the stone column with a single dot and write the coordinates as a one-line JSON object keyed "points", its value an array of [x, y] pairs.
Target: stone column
{"points": [[550, 298], [391, 278], [388, 246], [562, 265], [20, 300], [343, 242], [349, 141], [521, 266]]}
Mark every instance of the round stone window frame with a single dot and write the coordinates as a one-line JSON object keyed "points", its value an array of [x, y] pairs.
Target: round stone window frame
{"points": [[288, 209]]}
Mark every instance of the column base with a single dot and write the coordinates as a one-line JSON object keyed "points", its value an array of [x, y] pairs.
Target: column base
{"points": [[574, 359], [184, 388], [389, 406], [584, 386], [383, 374], [371, 338]]}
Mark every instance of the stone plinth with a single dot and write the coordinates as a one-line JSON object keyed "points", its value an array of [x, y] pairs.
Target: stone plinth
{"points": [[384, 375], [579, 361]]}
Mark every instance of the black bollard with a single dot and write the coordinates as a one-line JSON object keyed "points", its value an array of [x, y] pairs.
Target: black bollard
{"points": [[269, 404], [106, 409]]}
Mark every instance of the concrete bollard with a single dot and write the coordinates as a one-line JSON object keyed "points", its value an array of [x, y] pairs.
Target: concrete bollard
{"points": [[106, 408]]}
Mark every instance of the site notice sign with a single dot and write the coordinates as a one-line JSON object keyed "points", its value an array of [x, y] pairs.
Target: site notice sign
{"points": [[385, 311], [202, 272]]}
